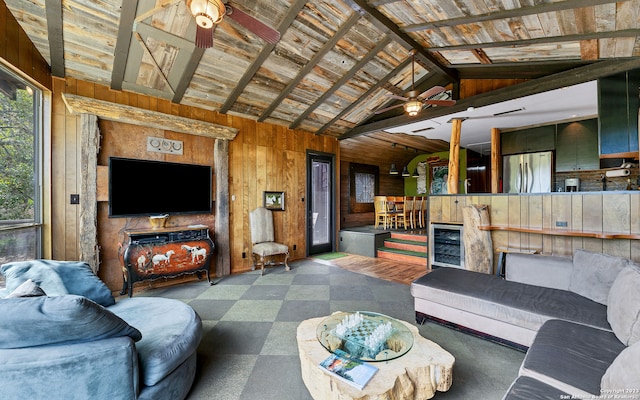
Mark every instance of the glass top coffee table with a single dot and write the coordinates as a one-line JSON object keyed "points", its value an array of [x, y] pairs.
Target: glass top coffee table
{"points": [[364, 335], [423, 368]]}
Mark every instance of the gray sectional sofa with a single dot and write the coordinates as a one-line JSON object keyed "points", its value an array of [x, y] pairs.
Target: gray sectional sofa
{"points": [[578, 319], [63, 336]]}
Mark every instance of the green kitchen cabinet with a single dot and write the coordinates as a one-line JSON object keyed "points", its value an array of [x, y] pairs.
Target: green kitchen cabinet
{"points": [[529, 140], [618, 104], [577, 146]]}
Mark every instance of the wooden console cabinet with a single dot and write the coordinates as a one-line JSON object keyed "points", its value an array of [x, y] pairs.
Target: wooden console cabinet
{"points": [[164, 253]]}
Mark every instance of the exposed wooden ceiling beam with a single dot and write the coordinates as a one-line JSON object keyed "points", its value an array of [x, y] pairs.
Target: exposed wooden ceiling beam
{"points": [[293, 12], [125, 29], [327, 47], [53, 9], [516, 70], [506, 14], [343, 80], [543, 40], [187, 75], [550, 82], [384, 23], [365, 95]]}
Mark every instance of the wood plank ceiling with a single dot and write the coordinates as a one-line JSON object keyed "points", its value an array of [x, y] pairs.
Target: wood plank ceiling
{"points": [[337, 60]]}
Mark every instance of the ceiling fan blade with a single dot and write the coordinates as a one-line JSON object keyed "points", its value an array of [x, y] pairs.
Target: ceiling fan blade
{"points": [[432, 92], [204, 36], [394, 96], [440, 102], [262, 30], [380, 111]]}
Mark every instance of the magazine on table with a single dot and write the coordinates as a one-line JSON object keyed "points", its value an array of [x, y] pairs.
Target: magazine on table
{"points": [[354, 372]]}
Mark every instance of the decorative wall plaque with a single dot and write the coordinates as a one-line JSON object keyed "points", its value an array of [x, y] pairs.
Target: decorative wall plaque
{"points": [[162, 145]]}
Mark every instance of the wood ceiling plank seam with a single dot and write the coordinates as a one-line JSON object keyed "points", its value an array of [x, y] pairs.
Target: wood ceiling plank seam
{"points": [[123, 42], [365, 95], [293, 12], [585, 19], [345, 78], [147, 31], [326, 48], [551, 24], [55, 37], [574, 76], [382, 22], [160, 5], [154, 63], [543, 40], [506, 14]]}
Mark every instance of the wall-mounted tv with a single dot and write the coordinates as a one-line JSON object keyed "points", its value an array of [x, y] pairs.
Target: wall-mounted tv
{"points": [[143, 187]]}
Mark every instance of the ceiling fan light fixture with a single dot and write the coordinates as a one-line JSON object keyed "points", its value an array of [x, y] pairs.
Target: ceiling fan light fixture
{"points": [[413, 107], [206, 12]]}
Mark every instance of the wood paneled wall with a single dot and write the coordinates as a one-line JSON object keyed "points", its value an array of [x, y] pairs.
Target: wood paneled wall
{"points": [[591, 212], [17, 49], [262, 157], [389, 185], [473, 87]]}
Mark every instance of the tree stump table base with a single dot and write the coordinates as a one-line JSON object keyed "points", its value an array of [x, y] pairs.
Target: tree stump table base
{"points": [[417, 375]]}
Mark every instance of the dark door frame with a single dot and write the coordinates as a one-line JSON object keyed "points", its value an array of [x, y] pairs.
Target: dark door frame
{"points": [[330, 157]]}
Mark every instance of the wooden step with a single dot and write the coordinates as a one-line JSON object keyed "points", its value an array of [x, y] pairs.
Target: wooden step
{"points": [[411, 245], [409, 257], [409, 236]]}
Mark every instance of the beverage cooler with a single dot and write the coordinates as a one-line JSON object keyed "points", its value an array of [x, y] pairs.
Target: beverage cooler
{"points": [[446, 248]]}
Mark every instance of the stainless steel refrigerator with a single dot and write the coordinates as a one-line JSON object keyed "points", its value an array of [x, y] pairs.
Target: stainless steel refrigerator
{"points": [[527, 173]]}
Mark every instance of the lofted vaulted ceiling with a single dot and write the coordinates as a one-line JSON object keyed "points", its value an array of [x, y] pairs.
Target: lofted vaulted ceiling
{"points": [[337, 60]]}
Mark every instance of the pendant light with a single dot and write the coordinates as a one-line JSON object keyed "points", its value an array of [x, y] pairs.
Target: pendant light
{"points": [[405, 172], [393, 170]]}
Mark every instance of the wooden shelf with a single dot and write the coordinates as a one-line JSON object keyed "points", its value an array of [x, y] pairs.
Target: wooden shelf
{"points": [[562, 232]]}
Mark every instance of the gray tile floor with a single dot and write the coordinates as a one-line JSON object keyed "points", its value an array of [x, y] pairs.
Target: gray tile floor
{"points": [[248, 350]]}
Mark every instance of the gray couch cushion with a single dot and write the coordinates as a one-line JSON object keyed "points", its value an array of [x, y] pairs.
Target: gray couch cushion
{"points": [[523, 305], [526, 388], [623, 375], [540, 270], [171, 332], [571, 357], [623, 312], [594, 273], [36, 321], [58, 278]]}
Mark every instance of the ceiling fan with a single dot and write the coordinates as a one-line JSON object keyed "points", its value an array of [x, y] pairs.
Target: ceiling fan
{"points": [[209, 13], [414, 102]]}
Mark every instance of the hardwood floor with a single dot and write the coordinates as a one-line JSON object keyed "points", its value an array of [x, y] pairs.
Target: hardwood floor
{"points": [[381, 268]]}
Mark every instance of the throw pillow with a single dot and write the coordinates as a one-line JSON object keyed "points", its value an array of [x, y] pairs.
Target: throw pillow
{"points": [[623, 375], [36, 321], [28, 289], [594, 273], [623, 311], [57, 278]]}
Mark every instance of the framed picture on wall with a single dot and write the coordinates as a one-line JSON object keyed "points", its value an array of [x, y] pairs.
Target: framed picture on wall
{"points": [[274, 201], [363, 185], [439, 175]]}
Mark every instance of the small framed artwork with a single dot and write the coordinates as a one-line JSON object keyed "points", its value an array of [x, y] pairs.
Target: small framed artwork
{"points": [[274, 201]]}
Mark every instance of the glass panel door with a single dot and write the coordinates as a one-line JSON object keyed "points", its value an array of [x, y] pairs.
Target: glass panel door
{"points": [[320, 204]]}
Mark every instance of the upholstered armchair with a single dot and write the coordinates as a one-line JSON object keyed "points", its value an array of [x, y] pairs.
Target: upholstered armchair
{"points": [[263, 239]]}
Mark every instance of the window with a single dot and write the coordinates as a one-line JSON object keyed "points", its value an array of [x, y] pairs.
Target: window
{"points": [[20, 168]]}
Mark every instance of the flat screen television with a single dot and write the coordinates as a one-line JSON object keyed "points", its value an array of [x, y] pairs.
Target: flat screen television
{"points": [[143, 187]]}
